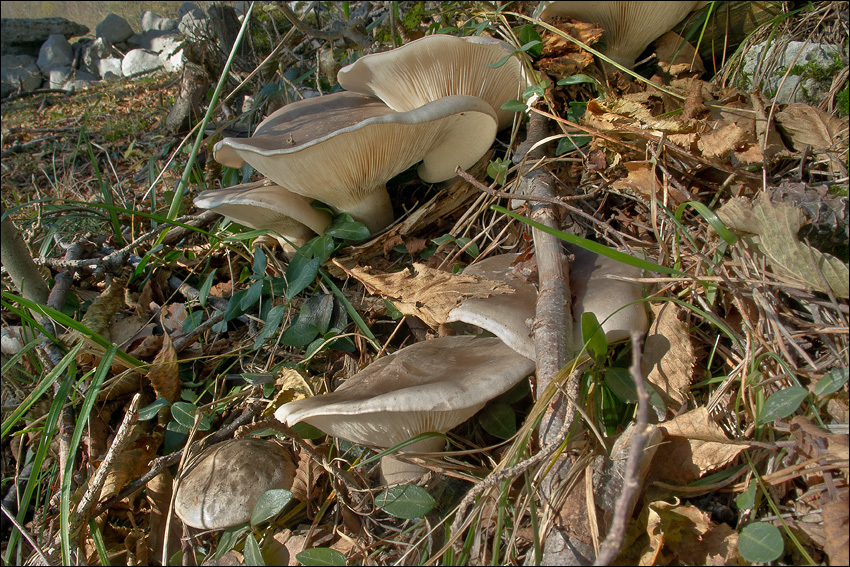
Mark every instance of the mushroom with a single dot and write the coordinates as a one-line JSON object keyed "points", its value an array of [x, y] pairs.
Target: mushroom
{"points": [[505, 315], [265, 205], [615, 302], [342, 148], [629, 26], [220, 487], [436, 66], [429, 386]]}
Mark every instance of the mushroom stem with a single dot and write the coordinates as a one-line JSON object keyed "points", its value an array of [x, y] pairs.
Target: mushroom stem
{"points": [[375, 210], [395, 471]]}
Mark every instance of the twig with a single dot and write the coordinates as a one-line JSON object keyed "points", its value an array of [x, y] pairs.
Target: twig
{"points": [[348, 31], [610, 548], [533, 198], [23, 531]]}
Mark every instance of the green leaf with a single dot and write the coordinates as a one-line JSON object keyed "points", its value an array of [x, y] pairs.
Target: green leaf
{"points": [[392, 312], [498, 419], [184, 414], [781, 404], [300, 274], [593, 335], [346, 228], [747, 499], [269, 505], [526, 34], [568, 144], [228, 540], [501, 61], [234, 306], [832, 382], [515, 106], [273, 319], [530, 45], [760, 542], [621, 384], [204, 292], [252, 296], [259, 266], [320, 556], [407, 501], [576, 79], [251, 551], [150, 411], [307, 431]]}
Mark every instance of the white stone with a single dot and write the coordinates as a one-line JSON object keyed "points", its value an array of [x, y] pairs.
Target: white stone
{"points": [[140, 61], [114, 29], [110, 68], [794, 88], [58, 76], [18, 72]]}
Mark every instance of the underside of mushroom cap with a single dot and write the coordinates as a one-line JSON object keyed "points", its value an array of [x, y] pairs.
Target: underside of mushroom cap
{"points": [[436, 66], [630, 26], [264, 205], [505, 315], [428, 386], [342, 148]]}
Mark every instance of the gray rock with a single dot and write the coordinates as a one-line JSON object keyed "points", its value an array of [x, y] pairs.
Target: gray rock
{"points": [[765, 67], [55, 52], [18, 72], [155, 40], [95, 51], [75, 85], [154, 22], [189, 7], [109, 68], [140, 61], [114, 29], [24, 36], [194, 24]]}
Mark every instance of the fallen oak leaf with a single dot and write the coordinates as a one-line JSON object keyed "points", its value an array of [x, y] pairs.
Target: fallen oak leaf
{"points": [[425, 292]]}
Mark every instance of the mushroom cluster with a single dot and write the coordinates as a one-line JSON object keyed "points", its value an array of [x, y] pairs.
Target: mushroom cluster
{"points": [[435, 100]]}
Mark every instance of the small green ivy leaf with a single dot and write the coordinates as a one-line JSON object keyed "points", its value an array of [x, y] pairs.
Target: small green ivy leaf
{"points": [[407, 501], [593, 335], [300, 274], [831, 382], [150, 411], [576, 79], [346, 228], [251, 551], [514, 106]]}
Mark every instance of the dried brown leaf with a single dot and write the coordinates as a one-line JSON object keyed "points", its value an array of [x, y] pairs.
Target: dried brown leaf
{"points": [[307, 474], [104, 307], [719, 142], [806, 125], [643, 181], [686, 533], [425, 292], [668, 355], [836, 519], [158, 491], [163, 373], [694, 445], [774, 228], [132, 462], [290, 385]]}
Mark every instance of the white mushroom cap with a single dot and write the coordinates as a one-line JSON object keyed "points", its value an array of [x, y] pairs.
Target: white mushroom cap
{"points": [[629, 26], [428, 386], [264, 205], [505, 315], [220, 487], [436, 66], [342, 148], [611, 300]]}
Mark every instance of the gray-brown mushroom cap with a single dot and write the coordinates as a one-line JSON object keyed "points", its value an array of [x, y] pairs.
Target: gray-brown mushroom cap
{"points": [[220, 487], [264, 205], [437, 66], [342, 148]]}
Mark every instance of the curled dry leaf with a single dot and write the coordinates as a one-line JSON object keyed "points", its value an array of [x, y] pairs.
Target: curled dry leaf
{"points": [[132, 462], [560, 57], [290, 385], [163, 373], [694, 446], [773, 227], [806, 125], [425, 292], [722, 141], [643, 180], [307, 474], [836, 519], [668, 355]]}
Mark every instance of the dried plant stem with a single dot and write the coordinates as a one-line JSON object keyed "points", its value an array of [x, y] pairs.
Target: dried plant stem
{"points": [[613, 542]]}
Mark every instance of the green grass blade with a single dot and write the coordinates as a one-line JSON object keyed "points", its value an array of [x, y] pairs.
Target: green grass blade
{"points": [[82, 423]]}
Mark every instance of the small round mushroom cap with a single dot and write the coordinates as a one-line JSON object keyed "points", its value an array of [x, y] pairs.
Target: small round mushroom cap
{"points": [[428, 386], [629, 26], [436, 66], [616, 303], [505, 315], [220, 487], [342, 148], [265, 205]]}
